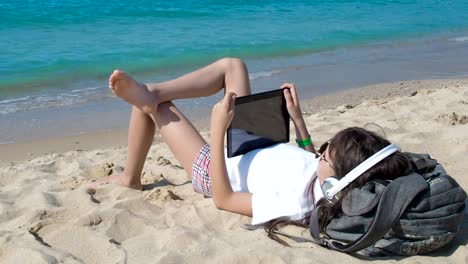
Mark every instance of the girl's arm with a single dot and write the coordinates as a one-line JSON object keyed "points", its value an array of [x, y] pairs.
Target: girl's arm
{"points": [[302, 133], [223, 195], [294, 110]]}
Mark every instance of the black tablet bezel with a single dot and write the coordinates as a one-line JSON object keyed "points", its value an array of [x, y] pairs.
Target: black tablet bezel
{"points": [[256, 97]]}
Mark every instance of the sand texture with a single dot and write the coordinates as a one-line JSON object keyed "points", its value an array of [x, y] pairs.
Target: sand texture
{"points": [[48, 215]]}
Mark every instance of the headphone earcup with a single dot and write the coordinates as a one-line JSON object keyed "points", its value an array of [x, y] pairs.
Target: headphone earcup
{"points": [[327, 185]]}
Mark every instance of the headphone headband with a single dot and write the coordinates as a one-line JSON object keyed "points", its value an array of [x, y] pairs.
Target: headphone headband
{"points": [[334, 187]]}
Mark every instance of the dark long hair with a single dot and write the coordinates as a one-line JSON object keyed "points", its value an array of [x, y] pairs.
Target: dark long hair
{"points": [[347, 149]]}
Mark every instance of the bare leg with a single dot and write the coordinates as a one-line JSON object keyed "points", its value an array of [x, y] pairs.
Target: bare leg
{"points": [[230, 73], [183, 139], [140, 136]]}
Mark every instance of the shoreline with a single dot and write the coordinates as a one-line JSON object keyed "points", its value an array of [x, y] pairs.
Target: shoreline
{"points": [[435, 57], [13, 153]]}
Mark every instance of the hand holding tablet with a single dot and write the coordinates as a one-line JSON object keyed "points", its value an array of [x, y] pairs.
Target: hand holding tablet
{"points": [[260, 120]]}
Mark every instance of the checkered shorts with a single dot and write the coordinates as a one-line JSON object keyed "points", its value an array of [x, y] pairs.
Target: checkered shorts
{"points": [[201, 172]]}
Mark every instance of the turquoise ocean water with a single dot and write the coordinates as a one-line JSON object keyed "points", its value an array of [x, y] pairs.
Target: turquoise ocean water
{"points": [[57, 54]]}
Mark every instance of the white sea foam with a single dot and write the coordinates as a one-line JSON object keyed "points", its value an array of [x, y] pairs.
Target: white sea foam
{"points": [[262, 74], [87, 89], [460, 39], [44, 101], [15, 100]]}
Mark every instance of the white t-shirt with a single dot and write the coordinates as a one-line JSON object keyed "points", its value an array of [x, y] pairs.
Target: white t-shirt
{"points": [[278, 178]]}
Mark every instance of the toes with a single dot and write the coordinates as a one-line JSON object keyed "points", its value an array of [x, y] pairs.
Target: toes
{"points": [[112, 76], [95, 184], [116, 74], [92, 186]]}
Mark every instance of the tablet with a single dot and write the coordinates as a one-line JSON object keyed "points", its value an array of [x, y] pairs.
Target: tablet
{"points": [[260, 120]]}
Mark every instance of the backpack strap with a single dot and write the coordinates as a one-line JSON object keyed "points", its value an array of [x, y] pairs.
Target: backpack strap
{"points": [[314, 227], [393, 202]]}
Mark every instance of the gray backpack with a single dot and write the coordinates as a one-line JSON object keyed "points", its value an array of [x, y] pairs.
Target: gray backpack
{"points": [[413, 214]]}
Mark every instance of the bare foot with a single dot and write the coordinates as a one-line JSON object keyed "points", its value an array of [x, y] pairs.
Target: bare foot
{"points": [[119, 179], [133, 92]]}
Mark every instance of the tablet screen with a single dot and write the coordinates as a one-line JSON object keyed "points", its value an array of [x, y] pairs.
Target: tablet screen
{"points": [[260, 120]]}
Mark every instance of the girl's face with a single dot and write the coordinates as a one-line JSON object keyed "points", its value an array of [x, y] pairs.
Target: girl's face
{"points": [[325, 166]]}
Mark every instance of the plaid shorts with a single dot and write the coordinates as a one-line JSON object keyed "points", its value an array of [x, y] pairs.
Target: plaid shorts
{"points": [[201, 182]]}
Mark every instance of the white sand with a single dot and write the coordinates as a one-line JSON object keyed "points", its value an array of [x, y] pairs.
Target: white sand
{"points": [[47, 215]]}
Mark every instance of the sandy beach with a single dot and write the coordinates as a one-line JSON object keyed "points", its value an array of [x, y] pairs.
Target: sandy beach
{"points": [[48, 215]]}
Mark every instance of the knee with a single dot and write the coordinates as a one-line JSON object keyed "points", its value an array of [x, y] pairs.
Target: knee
{"points": [[232, 63], [137, 111]]}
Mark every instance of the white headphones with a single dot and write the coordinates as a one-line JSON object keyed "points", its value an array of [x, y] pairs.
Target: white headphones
{"points": [[332, 186]]}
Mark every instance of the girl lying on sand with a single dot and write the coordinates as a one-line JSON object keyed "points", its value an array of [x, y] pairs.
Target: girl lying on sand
{"points": [[282, 181]]}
